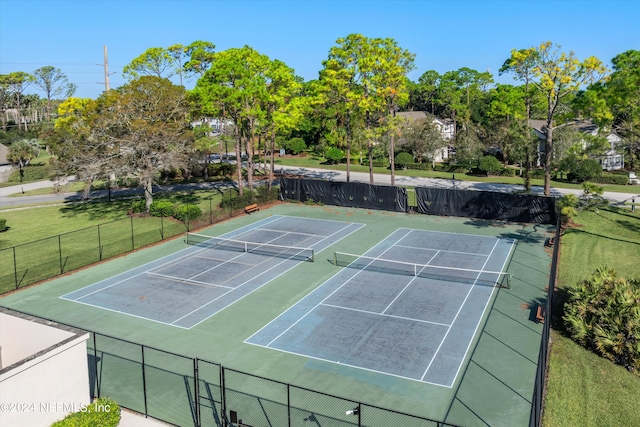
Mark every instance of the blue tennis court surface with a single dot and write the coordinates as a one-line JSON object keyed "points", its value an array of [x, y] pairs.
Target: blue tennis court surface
{"points": [[190, 286], [376, 317]]}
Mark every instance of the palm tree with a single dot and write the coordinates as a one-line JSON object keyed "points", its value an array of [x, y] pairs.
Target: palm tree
{"points": [[22, 152]]}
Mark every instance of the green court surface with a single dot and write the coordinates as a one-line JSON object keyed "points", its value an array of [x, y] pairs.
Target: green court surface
{"points": [[494, 386]]}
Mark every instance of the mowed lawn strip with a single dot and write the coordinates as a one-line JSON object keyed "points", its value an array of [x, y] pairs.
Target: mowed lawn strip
{"points": [[584, 389]]}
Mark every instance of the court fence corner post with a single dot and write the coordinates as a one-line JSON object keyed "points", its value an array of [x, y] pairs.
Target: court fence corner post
{"points": [[144, 384]]}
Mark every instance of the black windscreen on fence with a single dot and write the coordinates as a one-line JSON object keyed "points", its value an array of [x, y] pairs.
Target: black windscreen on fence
{"points": [[486, 205], [347, 194]]}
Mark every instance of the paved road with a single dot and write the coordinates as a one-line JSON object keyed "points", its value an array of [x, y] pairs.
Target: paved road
{"points": [[382, 179]]}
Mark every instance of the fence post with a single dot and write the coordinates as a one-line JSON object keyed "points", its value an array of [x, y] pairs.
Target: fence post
{"points": [[162, 227], [15, 267], [223, 399], [196, 391], [289, 404], [133, 243], [99, 244], [60, 254], [211, 209], [188, 218], [95, 365], [144, 384]]}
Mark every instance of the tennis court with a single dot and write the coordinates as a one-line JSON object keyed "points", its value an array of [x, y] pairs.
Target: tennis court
{"points": [[409, 307], [188, 287]]}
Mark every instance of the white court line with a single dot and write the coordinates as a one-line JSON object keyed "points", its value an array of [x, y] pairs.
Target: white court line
{"points": [[192, 251], [481, 317], [345, 364], [188, 281], [440, 250], [321, 302], [306, 296], [458, 313], [408, 284], [285, 271], [385, 315], [448, 232], [290, 232], [121, 312], [243, 272]]}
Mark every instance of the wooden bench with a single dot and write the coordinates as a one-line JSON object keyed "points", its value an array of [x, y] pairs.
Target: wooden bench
{"points": [[251, 208], [540, 314], [549, 241]]}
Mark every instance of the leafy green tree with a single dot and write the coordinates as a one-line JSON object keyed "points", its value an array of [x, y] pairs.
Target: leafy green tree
{"points": [[556, 77], [236, 87], [142, 129], [53, 83], [603, 315], [155, 61], [623, 98], [15, 84], [284, 106], [201, 55], [369, 74], [422, 138]]}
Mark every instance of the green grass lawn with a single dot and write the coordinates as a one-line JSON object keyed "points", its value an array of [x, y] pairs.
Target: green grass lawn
{"points": [[45, 241], [584, 389]]}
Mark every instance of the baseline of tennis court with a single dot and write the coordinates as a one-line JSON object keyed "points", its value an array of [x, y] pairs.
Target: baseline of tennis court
{"points": [[410, 307], [188, 287]]}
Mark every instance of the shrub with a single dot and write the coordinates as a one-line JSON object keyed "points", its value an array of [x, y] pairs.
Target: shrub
{"points": [[403, 159], [602, 314], [296, 145], [266, 195], [334, 155], [161, 208], [537, 173], [186, 213], [584, 170], [102, 412], [138, 206], [567, 207], [507, 172], [3, 225], [490, 165]]}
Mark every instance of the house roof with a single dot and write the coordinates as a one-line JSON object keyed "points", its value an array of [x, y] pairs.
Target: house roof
{"points": [[418, 115], [412, 115]]}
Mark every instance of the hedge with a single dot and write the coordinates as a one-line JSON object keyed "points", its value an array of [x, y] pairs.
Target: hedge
{"points": [[102, 412], [32, 173], [616, 179]]}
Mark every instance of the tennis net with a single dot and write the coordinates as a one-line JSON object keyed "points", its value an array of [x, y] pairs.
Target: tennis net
{"points": [[289, 252], [449, 274]]}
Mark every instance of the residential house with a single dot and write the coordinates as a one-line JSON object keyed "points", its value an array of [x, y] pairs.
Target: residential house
{"points": [[611, 160], [445, 126]]}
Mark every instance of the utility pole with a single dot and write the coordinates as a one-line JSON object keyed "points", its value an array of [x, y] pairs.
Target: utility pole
{"points": [[106, 70]]}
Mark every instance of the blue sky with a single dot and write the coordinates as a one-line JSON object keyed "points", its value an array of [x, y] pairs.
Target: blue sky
{"points": [[444, 35]]}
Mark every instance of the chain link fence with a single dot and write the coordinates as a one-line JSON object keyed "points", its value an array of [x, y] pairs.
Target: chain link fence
{"points": [[188, 391], [28, 263]]}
